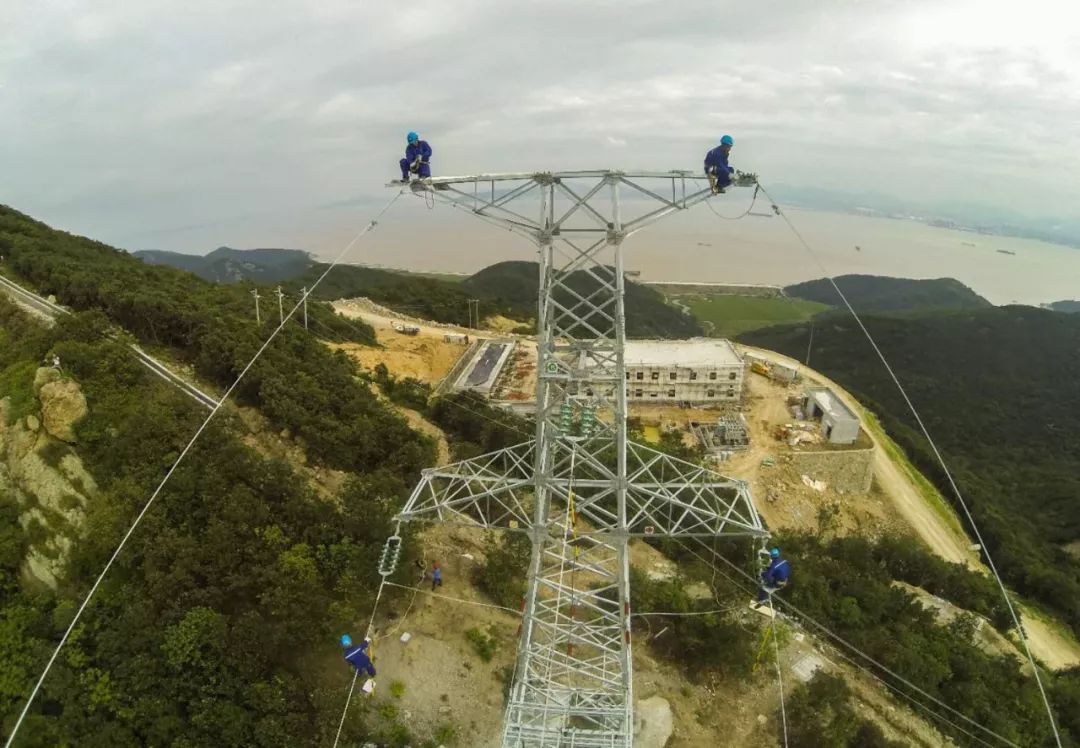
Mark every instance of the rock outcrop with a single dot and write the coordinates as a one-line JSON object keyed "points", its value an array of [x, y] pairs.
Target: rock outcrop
{"points": [[62, 406], [653, 723], [43, 473]]}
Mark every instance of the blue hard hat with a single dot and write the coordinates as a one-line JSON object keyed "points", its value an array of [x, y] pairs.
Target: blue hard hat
{"points": [[775, 553], [412, 137], [727, 140], [346, 640]]}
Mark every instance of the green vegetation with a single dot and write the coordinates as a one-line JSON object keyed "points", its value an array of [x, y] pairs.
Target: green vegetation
{"points": [[820, 715], [502, 575], [873, 293], [516, 285], [702, 644], [241, 574], [237, 574], [418, 296], [728, 315], [485, 644], [227, 265], [998, 391], [397, 689], [847, 585], [506, 288], [446, 735]]}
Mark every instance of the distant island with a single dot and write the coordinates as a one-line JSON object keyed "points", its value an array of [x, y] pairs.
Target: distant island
{"points": [[1068, 307], [957, 217]]}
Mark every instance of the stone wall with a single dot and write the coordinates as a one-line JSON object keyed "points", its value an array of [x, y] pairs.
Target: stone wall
{"points": [[843, 470]]}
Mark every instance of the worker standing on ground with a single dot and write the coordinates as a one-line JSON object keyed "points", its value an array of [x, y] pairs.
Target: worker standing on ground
{"points": [[774, 578], [417, 158], [358, 656], [717, 168], [436, 577]]}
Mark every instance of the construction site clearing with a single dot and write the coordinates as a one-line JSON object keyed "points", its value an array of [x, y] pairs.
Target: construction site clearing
{"points": [[798, 476]]}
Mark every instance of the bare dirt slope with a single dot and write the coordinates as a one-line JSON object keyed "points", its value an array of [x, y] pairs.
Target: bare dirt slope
{"points": [[438, 679], [924, 510], [942, 535]]}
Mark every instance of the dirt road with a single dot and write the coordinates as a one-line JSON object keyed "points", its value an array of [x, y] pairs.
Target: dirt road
{"points": [[943, 537]]}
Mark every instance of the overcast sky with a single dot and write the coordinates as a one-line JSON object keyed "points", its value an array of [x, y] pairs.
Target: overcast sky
{"points": [[185, 124]]}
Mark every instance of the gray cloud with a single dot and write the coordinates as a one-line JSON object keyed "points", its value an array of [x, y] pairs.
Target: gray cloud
{"points": [[187, 124]]}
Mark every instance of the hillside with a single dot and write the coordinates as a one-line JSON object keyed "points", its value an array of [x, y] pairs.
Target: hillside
{"points": [[872, 293], [506, 288], [516, 286], [997, 390], [261, 551], [227, 265]]}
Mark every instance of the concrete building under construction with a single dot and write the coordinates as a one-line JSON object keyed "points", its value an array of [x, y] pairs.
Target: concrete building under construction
{"points": [[700, 371]]}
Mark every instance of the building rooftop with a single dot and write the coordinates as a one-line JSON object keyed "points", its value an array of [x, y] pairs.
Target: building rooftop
{"points": [[689, 353], [830, 403]]}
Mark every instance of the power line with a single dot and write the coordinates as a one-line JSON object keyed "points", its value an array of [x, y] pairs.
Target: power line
{"points": [[937, 456], [839, 639], [745, 213], [779, 674], [97, 583]]}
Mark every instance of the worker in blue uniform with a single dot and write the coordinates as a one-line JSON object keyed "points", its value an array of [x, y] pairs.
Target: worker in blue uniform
{"points": [[717, 168], [358, 656], [774, 578], [417, 158]]}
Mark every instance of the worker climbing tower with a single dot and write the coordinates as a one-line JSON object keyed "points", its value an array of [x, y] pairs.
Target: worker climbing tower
{"points": [[580, 489]]}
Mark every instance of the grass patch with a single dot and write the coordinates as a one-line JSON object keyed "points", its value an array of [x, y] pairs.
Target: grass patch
{"points": [[397, 689], [928, 490], [446, 734], [17, 382], [728, 315], [483, 643]]}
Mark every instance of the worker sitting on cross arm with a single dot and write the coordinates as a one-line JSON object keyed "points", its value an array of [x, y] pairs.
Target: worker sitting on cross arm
{"points": [[358, 656], [774, 578], [417, 158], [716, 165]]}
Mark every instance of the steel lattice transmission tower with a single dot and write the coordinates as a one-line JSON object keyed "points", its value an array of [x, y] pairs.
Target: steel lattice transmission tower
{"points": [[580, 489]]}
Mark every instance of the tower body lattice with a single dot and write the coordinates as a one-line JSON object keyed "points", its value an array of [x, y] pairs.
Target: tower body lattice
{"points": [[579, 488]]}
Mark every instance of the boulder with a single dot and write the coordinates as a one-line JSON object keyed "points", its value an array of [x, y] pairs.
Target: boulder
{"points": [[653, 723], [32, 423], [43, 376], [62, 406]]}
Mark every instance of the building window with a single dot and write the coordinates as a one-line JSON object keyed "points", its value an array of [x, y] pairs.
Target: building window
{"points": [[641, 375], [712, 375], [654, 394], [731, 376], [588, 392], [627, 375], [672, 376], [693, 376], [637, 393], [731, 393], [655, 375], [609, 393], [710, 393], [671, 393]]}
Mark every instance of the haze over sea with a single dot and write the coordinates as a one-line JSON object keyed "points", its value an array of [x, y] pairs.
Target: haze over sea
{"points": [[698, 246]]}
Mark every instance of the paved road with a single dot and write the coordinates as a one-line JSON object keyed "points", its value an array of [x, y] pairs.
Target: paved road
{"points": [[47, 308]]}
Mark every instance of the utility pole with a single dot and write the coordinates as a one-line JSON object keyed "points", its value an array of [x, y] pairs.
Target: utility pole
{"points": [[280, 304], [255, 293], [304, 292], [580, 490]]}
